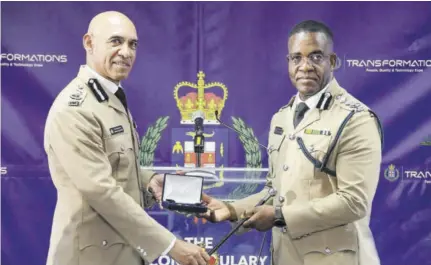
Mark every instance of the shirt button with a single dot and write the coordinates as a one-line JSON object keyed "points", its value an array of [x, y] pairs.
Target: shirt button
{"points": [[292, 137], [281, 199], [122, 148], [285, 167], [104, 243], [327, 250], [284, 229]]}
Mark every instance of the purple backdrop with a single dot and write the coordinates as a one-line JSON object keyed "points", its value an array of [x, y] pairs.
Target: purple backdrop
{"points": [[242, 45]]}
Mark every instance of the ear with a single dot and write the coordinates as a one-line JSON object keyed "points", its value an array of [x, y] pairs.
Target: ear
{"points": [[333, 60], [87, 42]]}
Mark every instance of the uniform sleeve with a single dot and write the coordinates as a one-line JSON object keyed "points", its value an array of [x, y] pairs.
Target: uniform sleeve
{"points": [[75, 138], [358, 168], [146, 176], [240, 206]]}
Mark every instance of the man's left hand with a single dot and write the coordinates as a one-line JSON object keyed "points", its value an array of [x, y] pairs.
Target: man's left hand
{"points": [[261, 218], [156, 185]]}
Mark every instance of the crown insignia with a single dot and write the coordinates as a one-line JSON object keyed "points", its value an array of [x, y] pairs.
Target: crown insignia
{"points": [[391, 173], [207, 102]]}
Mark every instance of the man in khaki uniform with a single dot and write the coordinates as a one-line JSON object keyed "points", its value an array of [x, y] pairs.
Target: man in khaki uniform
{"points": [[92, 147], [324, 162]]}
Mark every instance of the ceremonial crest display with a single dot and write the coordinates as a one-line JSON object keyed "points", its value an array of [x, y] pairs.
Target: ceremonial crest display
{"points": [[208, 98]]}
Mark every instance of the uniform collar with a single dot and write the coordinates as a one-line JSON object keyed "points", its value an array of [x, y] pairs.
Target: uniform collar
{"points": [[108, 84], [105, 87]]}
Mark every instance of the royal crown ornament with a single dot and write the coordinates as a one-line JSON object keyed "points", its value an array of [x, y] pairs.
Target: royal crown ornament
{"points": [[204, 99]]}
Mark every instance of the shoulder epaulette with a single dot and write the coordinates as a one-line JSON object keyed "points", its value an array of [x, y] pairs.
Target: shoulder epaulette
{"points": [[350, 103], [292, 99], [76, 97], [97, 90]]}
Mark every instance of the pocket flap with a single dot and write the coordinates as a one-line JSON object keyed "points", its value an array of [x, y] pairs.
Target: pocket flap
{"points": [[119, 143], [275, 141], [329, 241], [97, 233]]}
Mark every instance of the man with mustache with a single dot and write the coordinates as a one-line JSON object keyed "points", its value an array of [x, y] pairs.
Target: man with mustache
{"points": [[324, 161], [93, 153]]}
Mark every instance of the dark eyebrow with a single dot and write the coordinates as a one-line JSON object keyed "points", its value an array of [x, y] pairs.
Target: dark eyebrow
{"points": [[295, 53], [316, 52], [311, 53]]}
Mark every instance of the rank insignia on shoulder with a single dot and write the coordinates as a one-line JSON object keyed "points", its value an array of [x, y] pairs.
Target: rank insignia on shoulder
{"points": [[278, 130], [116, 129], [76, 97], [74, 103], [317, 132]]}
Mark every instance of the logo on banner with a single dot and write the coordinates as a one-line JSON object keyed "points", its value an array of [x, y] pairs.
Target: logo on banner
{"points": [[392, 174], [389, 65], [207, 98], [31, 59]]}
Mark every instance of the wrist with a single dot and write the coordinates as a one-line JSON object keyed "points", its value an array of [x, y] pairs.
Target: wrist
{"points": [[231, 212], [278, 216], [150, 179]]}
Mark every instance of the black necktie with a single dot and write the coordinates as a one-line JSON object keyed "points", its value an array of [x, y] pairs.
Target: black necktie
{"points": [[121, 96], [301, 109]]}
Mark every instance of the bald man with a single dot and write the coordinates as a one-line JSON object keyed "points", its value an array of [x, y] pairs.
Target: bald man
{"points": [[92, 147]]}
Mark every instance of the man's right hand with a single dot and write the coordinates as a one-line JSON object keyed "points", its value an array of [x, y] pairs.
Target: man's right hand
{"points": [[218, 211], [188, 254]]}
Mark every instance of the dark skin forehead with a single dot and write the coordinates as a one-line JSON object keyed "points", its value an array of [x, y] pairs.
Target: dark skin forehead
{"points": [[308, 42]]}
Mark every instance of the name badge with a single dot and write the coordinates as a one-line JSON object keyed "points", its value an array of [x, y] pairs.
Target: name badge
{"points": [[116, 129], [278, 130]]}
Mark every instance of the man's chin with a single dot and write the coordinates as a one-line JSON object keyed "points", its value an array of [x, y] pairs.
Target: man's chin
{"points": [[307, 90], [120, 76]]}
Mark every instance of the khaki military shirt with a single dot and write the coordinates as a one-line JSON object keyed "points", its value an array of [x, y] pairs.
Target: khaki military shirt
{"points": [[326, 209], [93, 154]]}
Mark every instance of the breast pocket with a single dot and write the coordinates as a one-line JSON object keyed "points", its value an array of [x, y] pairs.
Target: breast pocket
{"points": [[315, 145], [274, 147], [120, 152], [312, 151]]}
